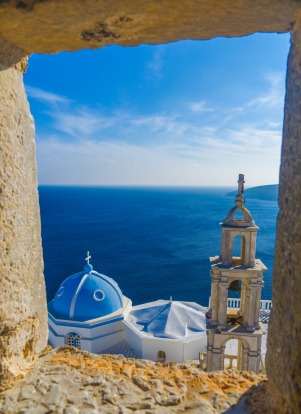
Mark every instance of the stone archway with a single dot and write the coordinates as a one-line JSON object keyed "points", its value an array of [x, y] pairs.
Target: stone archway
{"points": [[50, 26], [238, 357]]}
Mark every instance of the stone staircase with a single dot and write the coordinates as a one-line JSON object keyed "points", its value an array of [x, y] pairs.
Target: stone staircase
{"points": [[125, 350], [121, 348]]}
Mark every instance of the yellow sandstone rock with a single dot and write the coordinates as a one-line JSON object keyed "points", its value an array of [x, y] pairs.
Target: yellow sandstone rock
{"points": [[68, 378]]}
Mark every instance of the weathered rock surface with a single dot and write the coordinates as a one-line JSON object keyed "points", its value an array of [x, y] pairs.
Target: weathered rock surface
{"points": [[52, 26], [69, 381], [23, 315], [284, 340]]}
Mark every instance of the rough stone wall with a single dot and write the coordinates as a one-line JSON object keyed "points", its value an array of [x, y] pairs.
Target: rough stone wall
{"points": [[23, 323], [284, 340], [55, 25], [11, 55], [68, 381]]}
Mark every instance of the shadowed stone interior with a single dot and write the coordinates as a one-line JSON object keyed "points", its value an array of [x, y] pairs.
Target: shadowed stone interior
{"points": [[52, 26]]}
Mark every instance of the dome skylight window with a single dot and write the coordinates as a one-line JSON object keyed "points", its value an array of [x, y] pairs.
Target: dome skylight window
{"points": [[60, 291], [98, 295]]}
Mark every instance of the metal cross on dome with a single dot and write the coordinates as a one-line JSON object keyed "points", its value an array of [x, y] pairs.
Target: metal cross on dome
{"points": [[88, 258]]}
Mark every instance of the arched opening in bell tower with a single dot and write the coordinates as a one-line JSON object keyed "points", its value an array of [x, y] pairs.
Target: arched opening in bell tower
{"points": [[238, 215], [234, 302], [235, 354], [231, 354], [238, 249], [234, 290]]}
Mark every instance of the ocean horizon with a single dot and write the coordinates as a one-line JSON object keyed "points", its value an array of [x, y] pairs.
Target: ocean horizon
{"points": [[154, 241]]}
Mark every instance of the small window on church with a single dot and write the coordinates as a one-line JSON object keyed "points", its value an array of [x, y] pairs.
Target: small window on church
{"points": [[73, 339], [161, 356]]}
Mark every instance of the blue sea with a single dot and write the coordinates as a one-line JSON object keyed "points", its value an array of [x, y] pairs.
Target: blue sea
{"points": [[155, 242]]}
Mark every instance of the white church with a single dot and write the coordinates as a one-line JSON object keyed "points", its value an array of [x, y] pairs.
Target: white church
{"points": [[90, 312]]}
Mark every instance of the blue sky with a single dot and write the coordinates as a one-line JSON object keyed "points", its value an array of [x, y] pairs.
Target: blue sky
{"points": [[185, 113]]}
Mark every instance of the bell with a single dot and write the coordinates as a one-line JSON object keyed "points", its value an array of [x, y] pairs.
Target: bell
{"points": [[235, 286]]}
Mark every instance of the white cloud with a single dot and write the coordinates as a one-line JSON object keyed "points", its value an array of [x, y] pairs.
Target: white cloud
{"points": [[265, 105], [154, 67], [81, 122], [47, 97], [162, 124], [275, 94], [256, 142], [256, 139], [199, 106], [121, 147], [273, 97], [108, 163]]}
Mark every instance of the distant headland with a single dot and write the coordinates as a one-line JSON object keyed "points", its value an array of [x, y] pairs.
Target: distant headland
{"points": [[263, 192]]}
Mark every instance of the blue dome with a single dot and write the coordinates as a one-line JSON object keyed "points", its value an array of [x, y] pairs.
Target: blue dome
{"points": [[86, 295]]}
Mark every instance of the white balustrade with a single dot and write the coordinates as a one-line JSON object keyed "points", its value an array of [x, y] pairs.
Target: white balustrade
{"points": [[265, 305], [234, 303]]}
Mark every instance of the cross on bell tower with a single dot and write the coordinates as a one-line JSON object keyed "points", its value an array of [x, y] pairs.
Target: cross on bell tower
{"points": [[243, 274]]}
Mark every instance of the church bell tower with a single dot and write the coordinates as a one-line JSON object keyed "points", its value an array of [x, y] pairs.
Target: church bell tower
{"points": [[238, 318]]}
